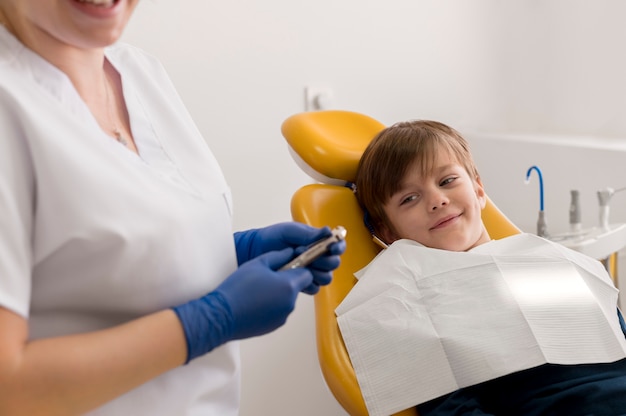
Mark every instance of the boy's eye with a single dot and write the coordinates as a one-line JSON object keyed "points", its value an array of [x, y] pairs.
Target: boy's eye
{"points": [[447, 181], [408, 199]]}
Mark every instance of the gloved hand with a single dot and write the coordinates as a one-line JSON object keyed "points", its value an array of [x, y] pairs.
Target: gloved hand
{"points": [[254, 300], [255, 242]]}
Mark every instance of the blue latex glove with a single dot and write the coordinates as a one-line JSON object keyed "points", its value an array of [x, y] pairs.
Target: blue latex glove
{"points": [[253, 243], [254, 300]]}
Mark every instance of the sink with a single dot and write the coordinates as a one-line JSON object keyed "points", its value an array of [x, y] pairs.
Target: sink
{"points": [[596, 242]]}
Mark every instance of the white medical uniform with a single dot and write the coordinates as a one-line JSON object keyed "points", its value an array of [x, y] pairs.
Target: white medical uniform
{"points": [[92, 235]]}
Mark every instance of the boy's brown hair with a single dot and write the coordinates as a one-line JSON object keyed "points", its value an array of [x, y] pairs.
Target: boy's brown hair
{"points": [[393, 151]]}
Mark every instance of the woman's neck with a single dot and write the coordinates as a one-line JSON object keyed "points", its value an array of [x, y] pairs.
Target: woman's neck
{"points": [[83, 66]]}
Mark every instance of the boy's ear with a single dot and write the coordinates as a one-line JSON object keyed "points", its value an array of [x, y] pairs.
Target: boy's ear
{"points": [[480, 192], [387, 235]]}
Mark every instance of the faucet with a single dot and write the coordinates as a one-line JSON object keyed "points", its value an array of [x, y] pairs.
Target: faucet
{"points": [[604, 197]]}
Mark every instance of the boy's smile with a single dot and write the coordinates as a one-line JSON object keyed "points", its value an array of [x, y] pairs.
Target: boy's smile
{"points": [[451, 219]]}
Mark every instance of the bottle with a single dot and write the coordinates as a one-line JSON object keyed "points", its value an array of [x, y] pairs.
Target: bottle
{"points": [[574, 212]]}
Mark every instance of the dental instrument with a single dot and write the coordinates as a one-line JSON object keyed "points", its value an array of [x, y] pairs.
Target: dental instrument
{"points": [[542, 227], [604, 197], [575, 223], [317, 249]]}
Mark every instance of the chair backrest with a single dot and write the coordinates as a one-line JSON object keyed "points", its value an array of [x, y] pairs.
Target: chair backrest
{"points": [[328, 146]]}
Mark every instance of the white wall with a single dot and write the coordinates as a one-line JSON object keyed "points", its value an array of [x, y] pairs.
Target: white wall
{"points": [[485, 66]]}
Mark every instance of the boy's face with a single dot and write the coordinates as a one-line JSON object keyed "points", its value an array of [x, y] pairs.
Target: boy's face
{"points": [[441, 210]]}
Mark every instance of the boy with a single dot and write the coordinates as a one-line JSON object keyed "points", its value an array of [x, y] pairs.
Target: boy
{"points": [[417, 181]]}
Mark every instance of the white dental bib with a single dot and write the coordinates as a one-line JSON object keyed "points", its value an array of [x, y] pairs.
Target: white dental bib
{"points": [[421, 322]]}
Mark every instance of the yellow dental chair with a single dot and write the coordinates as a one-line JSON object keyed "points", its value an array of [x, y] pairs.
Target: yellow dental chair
{"points": [[328, 145]]}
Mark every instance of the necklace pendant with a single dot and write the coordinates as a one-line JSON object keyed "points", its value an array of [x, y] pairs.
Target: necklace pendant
{"points": [[120, 138]]}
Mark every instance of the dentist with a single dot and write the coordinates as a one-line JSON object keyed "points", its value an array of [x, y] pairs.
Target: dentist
{"points": [[122, 284]]}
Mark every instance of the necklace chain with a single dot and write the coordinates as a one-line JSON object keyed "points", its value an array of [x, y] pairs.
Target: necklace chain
{"points": [[116, 131]]}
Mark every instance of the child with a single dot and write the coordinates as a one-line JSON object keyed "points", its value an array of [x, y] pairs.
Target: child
{"points": [[417, 181]]}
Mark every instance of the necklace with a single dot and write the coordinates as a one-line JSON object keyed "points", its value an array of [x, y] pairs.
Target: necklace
{"points": [[116, 130]]}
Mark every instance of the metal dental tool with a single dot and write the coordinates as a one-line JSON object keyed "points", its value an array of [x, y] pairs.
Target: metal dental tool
{"points": [[316, 249]]}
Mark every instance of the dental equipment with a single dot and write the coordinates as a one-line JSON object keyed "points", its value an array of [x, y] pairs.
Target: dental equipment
{"points": [[575, 223], [317, 249], [604, 197], [542, 227]]}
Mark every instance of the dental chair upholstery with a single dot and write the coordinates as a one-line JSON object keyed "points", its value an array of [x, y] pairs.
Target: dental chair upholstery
{"points": [[328, 145]]}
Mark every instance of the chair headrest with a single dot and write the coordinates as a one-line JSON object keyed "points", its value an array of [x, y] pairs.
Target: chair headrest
{"points": [[328, 144]]}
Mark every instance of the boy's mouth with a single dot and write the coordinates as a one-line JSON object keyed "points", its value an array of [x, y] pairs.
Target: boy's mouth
{"points": [[445, 221], [99, 3]]}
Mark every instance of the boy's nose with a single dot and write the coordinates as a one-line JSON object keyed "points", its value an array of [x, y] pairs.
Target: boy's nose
{"points": [[438, 200]]}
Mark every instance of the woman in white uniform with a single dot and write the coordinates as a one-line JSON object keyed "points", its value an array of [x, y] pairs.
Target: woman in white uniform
{"points": [[122, 284]]}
